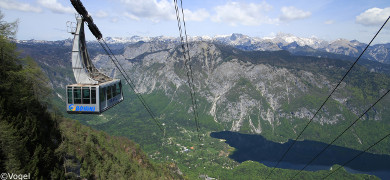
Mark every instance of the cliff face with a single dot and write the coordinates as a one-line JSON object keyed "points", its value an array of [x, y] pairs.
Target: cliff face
{"points": [[245, 91], [272, 93]]}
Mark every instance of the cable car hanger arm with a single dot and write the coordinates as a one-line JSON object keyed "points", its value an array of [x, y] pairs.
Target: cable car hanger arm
{"points": [[87, 18]]}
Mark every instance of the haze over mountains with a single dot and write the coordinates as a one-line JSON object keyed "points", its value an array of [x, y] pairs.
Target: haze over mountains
{"points": [[281, 41]]}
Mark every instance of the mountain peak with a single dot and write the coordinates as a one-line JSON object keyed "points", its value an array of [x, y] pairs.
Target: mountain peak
{"points": [[279, 41], [236, 36]]}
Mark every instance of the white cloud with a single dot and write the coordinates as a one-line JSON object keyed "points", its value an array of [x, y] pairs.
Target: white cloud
{"points": [[292, 13], [55, 6], [198, 15], [157, 10], [241, 13], [114, 20], [329, 22], [101, 14], [373, 16], [131, 16], [19, 6], [150, 9]]}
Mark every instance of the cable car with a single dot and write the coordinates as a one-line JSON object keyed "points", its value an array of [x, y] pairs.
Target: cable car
{"points": [[94, 92]]}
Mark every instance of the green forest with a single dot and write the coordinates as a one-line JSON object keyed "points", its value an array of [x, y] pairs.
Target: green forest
{"points": [[36, 138]]}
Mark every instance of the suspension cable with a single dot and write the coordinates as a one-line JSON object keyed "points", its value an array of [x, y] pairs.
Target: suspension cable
{"points": [[190, 67], [187, 60], [357, 155], [299, 135], [323, 150], [130, 82], [128, 77]]}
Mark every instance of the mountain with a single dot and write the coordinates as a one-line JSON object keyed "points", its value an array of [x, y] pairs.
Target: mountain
{"points": [[272, 93], [260, 92], [281, 41], [246, 91], [312, 46]]}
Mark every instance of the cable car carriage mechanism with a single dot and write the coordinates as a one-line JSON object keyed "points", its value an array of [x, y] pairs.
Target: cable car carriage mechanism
{"points": [[94, 92]]}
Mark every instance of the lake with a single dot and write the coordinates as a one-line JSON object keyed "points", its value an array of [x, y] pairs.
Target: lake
{"points": [[257, 148]]}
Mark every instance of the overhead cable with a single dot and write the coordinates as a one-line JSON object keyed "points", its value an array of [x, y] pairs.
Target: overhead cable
{"points": [[187, 60], [323, 150], [130, 82], [338, 84], [357, 155]]}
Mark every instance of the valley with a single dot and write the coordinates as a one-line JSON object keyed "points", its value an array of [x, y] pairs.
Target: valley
{"points": [[271, 93]]}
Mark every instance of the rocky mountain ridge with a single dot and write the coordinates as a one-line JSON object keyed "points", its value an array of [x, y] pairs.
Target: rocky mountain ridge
{"points": [[281, 41], [272, 93], [239, 90]]}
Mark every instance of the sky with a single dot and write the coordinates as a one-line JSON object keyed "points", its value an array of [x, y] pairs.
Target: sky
{"points": [[324, 19]]}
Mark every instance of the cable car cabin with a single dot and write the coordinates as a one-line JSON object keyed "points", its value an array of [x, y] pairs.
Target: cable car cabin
{"points": [[94, 92], [93, 99]]}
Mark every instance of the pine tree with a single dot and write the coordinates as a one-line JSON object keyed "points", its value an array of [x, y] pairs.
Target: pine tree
{"points": [[29, 135]]}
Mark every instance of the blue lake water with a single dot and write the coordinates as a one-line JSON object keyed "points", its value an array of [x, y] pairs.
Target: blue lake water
{"points": [[257, 148]]}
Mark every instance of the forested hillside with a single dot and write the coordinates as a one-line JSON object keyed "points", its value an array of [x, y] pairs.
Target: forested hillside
{"points": [[36, 140]]}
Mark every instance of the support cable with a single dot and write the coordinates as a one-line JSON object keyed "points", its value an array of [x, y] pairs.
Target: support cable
{"points": [[128, 77], [323, 150], [189, 57], [187, 60], [357, 155], [130, 82], [338, 84]]}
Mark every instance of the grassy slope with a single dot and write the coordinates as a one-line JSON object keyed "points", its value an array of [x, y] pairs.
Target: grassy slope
{"points": [[96, 155]]}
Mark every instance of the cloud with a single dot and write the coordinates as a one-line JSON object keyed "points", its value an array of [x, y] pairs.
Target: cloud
{"points": [[131, 16], [114, 20], [19, 6], [292, 13], [373, 16], [55, 6], [198, 15], [101, 14], [251, 14], [329, 22], [150, 9], [157, 10]]}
